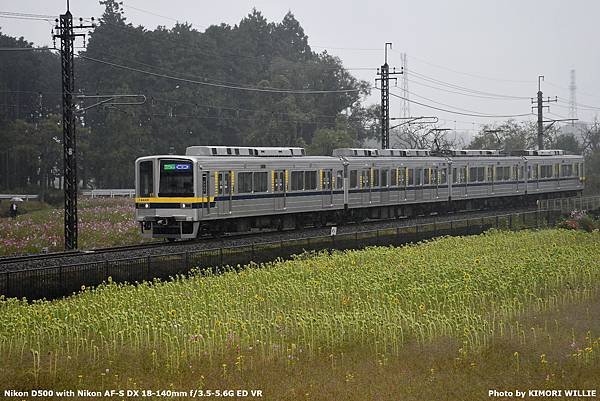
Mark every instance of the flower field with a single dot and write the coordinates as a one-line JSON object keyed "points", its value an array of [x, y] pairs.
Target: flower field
{"points": [[493, 309], [102, 222]]}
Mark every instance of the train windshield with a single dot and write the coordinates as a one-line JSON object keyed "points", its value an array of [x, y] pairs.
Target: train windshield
{"points": [[176, 178]]}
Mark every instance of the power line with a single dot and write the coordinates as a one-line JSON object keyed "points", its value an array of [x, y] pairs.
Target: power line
{"points": [[460, 113], [236, 87], [470, 74], [17, 14], [461, 93], [151, 13], [465, 89]]}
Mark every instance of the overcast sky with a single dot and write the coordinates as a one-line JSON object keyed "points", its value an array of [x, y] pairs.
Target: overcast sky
{"points": [[495, 46]]}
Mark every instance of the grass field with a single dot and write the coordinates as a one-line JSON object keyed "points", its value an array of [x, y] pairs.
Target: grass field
{"points": [[102, 222], [448, 319]]}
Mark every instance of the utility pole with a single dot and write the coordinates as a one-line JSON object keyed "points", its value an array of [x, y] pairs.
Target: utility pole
{"points": [[385, 73], [64, 32], [540, 106]]}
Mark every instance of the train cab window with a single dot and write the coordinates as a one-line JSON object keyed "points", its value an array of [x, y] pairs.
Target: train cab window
{"points": [[259, 182], [244, 183], [176, 178], [576, 169], [297, 180], [411, 177], [339, 179], [581, 171], [353, 179], [146, 177], [394, 177], [310, 180], [566, 170], [375, 177]]}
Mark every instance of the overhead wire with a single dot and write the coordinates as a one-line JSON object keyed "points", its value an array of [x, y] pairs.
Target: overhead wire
{"points": [[458, 112], [236, 87]]}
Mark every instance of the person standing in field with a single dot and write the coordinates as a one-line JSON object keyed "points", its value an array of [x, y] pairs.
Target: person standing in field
{"points": [[13, 210]]}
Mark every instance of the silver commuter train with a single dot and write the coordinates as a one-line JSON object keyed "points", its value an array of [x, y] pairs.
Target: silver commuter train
{"points": [[216, 189]]}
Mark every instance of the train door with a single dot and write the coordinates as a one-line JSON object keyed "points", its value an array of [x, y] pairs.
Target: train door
{"points": [[418, 184], [205, 193], [409, 184], [279, 189], [365, 182], [327, 187], [384, 194], [224, 192]]}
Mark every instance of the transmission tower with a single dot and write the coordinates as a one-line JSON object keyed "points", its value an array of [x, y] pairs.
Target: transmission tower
{"points": [[405, 111], [572, 98], [64, 32]]}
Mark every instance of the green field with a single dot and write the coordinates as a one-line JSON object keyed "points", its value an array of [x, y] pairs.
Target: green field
{"points": [[448, 319]]}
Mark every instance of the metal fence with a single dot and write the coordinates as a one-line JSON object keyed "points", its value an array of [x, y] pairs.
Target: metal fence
{"points": [[55, 282], [130, 193], [570, 204]]}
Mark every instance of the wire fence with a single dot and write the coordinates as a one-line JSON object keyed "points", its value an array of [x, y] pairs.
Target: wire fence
{"points": [[59, 281], [569, 204]]}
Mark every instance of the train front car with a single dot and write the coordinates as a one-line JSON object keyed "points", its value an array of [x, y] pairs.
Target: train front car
{"points": [[167, 204]]}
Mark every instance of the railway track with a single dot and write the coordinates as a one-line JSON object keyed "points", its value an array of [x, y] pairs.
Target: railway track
{"points": [[159, 247]]}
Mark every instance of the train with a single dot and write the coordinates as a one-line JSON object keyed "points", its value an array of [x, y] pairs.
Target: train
{"points": [[213, 190]]}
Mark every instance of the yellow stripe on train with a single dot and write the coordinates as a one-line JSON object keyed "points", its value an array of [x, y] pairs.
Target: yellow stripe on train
{"points": [[174, 200]]}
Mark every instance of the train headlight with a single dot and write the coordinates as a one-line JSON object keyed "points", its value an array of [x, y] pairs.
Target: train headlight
{"points": [[186, 205], [146, 205]]}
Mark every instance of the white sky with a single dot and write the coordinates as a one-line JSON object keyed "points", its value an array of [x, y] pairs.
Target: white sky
{"points": [[501, 41]]}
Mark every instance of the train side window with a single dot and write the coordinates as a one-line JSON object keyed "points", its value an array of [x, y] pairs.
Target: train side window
{"points": [[339, 179], [480, 174], [384, 178], [260, 182], [581, 171], [402, 176], [472, 174], [426, 176], [310, 180], [375, 177], [411, 177], [443, 179], [394, 177], [146, 177], [556, 170], [297, 180], [454, 175], [353, 179], [490, 173], [576, 169], [244, 183]]}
